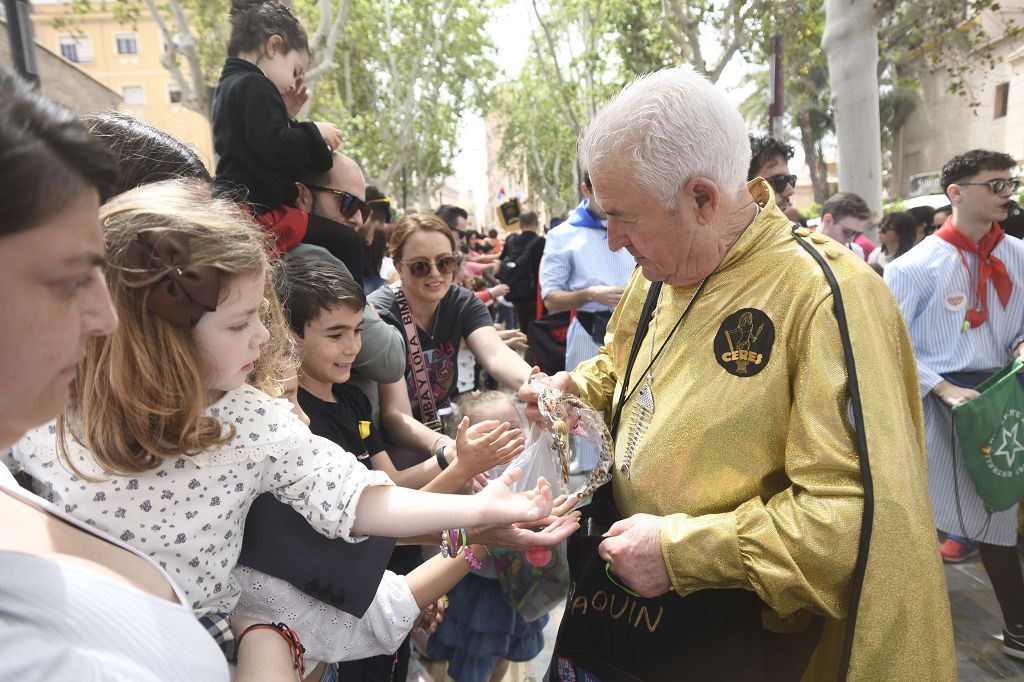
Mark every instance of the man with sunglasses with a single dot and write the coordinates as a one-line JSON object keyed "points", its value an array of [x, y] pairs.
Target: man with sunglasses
{"points": [[962, 293], [843, 217], [337, 210], [335, 203], [769, 159]]}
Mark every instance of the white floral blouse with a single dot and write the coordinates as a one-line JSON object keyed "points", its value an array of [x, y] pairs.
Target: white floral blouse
{"points": [[189, 513]]}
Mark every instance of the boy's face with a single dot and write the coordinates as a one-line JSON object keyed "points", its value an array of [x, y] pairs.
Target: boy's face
{"points": [[330, 344]]}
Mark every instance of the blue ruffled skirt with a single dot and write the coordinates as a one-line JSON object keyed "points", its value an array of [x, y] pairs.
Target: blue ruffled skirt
{"points": [[480, 627]]}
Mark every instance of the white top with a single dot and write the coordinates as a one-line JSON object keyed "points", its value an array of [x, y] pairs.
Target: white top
{"points": [[188, 513], [880, 258], [64, 621], [327, 633], [932, 288]]}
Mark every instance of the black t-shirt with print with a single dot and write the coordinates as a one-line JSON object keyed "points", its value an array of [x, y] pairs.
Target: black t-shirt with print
{"points": [[340, 421], [459, 314]]}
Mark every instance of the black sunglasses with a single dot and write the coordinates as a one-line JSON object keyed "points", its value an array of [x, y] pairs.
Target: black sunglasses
{"points": [[998, 186], [350, 203], [445, 265], [779, 182]]}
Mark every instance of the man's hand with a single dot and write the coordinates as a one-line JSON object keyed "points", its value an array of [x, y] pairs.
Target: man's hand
{"points": [[952, 395], [529, 394], [633, 547], [608, 296], [498, 290], [1018, 351]]}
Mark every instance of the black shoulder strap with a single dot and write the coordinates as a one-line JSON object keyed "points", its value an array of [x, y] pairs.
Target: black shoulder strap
{"points": [[638, 338], [860, 568]]}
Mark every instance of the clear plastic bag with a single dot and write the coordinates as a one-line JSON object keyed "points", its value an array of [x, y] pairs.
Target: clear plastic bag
{"points": [[534, 580]]}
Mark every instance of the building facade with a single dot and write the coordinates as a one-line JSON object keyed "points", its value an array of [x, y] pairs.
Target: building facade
{"points": [[944, 125], [126, 58], [62, 82]]}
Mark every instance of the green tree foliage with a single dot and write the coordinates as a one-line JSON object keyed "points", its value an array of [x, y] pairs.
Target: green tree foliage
{"points": [[406, 72]]}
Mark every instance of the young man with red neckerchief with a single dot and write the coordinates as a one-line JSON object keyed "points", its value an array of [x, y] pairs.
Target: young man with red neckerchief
{"points": [[961, 291]]}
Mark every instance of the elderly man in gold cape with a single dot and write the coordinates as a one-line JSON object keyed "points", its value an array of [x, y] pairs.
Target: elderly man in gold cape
{"points": [[750, 467]]}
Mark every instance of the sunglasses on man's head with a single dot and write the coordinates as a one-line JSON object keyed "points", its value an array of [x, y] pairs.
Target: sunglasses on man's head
{"points": [[998, 186], [779, 182], [350, 203], [445, 265]]}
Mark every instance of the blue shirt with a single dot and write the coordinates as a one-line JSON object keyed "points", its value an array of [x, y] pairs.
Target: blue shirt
{"points": [[934, 291], [576, 256]]}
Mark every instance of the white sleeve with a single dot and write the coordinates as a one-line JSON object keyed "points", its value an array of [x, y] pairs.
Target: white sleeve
{"points": [[321, 481], [327, 633]]}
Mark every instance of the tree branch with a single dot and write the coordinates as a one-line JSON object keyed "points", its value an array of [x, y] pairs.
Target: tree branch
{"points": [[193, 94], [570, 110]]}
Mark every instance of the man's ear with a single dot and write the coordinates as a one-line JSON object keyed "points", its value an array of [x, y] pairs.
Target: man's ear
{"points": [[706, 198], [955, 194], [304, 202]]}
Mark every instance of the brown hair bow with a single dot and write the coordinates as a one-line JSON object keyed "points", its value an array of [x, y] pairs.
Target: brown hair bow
{"points": [[180, 292]]}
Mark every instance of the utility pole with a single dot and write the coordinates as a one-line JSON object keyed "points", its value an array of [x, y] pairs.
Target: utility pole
{"points": [[23, 46], [776, 90]]}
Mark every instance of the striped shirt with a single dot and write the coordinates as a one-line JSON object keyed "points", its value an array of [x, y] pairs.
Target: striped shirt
{"points": [[577, 257], [934, 292]]}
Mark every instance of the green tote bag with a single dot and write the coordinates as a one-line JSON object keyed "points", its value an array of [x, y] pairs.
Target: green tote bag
{"points": [[990, 429]]}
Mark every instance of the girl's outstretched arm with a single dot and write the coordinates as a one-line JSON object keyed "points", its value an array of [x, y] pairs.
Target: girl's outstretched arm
{"points": [[399, 512]]}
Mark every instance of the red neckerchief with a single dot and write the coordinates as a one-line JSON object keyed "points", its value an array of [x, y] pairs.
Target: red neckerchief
{"points": [[989, 267]]}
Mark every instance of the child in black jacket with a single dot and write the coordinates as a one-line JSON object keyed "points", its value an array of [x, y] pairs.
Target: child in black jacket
{"points": [[260, 91]]}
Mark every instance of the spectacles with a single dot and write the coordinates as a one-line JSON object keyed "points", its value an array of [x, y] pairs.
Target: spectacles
{"points": [[350, 204], [445, 265], [998, 186], [779, 182]]}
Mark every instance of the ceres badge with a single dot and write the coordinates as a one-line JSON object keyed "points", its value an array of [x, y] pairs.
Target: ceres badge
{"points": [[743, 344]]}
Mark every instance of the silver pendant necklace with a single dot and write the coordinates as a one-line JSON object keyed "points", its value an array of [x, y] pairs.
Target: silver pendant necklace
{"points": [[641, 413]]}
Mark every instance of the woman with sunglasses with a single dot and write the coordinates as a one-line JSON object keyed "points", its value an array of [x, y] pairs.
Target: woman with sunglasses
{"points": [[897, 233], [440, 316]]}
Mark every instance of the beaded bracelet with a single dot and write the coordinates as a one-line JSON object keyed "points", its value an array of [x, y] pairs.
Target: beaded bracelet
{"points": [[289, 636], [446, 547]]}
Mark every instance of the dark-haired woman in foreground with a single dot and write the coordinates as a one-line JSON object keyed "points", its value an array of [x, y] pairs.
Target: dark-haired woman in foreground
{"points": [[75, 603]]}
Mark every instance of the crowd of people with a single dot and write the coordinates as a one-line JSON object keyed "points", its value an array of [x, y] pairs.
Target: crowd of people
{"points": [[239, 439]]}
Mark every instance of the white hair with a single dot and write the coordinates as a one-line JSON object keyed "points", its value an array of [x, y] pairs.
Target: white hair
{"points": [[667, 128]]}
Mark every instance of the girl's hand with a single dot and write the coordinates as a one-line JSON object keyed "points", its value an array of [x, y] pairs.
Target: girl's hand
{"points": [[563, 504], [332, 136], [520, 536], [432, 616], [501, 506], [296, 97], [486, 444]]}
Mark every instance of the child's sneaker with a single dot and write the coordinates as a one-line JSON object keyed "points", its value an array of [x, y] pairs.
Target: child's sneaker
{"points": [[955, 549]]}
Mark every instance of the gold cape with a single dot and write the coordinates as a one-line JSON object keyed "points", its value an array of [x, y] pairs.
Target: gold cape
{"points": [[752, 458]]}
